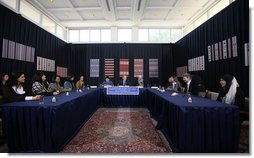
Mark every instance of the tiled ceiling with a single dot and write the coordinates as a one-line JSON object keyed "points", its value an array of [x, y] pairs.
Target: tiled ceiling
{"points": [[156, 13]]}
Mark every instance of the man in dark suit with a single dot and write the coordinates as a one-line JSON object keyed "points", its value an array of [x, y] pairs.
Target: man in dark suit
{"points": [[193, 84], [139, 81], [124, 81]]}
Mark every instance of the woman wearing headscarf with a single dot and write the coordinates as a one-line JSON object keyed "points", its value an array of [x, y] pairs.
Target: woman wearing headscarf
{"points": [[230, 92]]}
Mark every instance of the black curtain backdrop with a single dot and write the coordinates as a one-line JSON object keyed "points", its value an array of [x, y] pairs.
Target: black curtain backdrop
{"points": [[162, 52], [16, 28], [232, 21]]}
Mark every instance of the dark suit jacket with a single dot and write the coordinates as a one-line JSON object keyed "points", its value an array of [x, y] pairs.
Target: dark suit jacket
{"points": [[136, 82], [11, 96], [126, 82], [193, 88]]}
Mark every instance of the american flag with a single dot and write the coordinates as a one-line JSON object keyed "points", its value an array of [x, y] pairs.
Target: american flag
{"points": [[109, 67], [138, 67], [124, 67]]}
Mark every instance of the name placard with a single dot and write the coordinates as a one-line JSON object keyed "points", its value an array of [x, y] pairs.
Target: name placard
{"points": [[122, 91]]}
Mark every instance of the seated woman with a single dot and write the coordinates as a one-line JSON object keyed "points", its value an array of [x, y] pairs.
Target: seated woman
{"points": [[69, 84], [3, 80], [4, 77], [107, 82], [230, 92], [38, 88], [15, 91], [174, 84], [44, 82], [80, 83], [55, 85]]}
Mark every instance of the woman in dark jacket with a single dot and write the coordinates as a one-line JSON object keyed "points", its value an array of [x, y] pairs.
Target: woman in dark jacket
{"points": [[4, 79], [15, 91], [230, 92]]}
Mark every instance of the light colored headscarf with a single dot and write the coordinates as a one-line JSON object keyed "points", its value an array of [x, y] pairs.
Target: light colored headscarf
{"points": [[230, 96]]}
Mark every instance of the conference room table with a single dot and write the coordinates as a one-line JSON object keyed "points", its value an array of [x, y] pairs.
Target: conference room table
{"points": [[123, 101], [33, 127], [201, 126]]}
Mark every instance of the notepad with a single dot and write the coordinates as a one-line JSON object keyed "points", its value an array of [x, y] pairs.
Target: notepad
{"points": [[174, 94]]}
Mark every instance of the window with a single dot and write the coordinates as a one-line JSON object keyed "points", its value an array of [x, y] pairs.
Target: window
{"points": [[143, 34], [60, 31], [176, 34], [218, 7], [30, 12], [201, 20], [105, 35], [84, 35], [124, 35], [188, 29], [74, 35], [95, 35], [11, 3], [159, 35], [48, 24]]}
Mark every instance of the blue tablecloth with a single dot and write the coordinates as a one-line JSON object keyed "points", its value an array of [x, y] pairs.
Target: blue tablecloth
{"points": [[201, 126], [31, 127], [133, 101]]}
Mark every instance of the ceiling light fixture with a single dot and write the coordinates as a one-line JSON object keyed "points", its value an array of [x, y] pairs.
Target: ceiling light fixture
{"points": [[51, 1], [84, 1]]}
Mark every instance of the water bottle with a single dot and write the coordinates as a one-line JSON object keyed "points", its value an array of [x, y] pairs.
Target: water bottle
{"points": [[189, 98], [53, 99], [88, 87], [162, 89]]}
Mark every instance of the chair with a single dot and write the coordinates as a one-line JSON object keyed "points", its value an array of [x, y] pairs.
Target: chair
{"points": [[212, 95], [244, 113], [202, 94]]}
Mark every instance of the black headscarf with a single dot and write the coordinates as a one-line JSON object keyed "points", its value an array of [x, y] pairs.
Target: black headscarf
{"points": [[228, 78]]}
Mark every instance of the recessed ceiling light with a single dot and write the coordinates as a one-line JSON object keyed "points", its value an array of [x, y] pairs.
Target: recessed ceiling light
{"points": [[123, 13], [91, 14], [51, 1], [156, 14], [84, 1]]}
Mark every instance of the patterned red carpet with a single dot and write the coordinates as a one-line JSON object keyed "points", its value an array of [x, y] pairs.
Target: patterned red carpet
{"points": [[118, 131]]}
